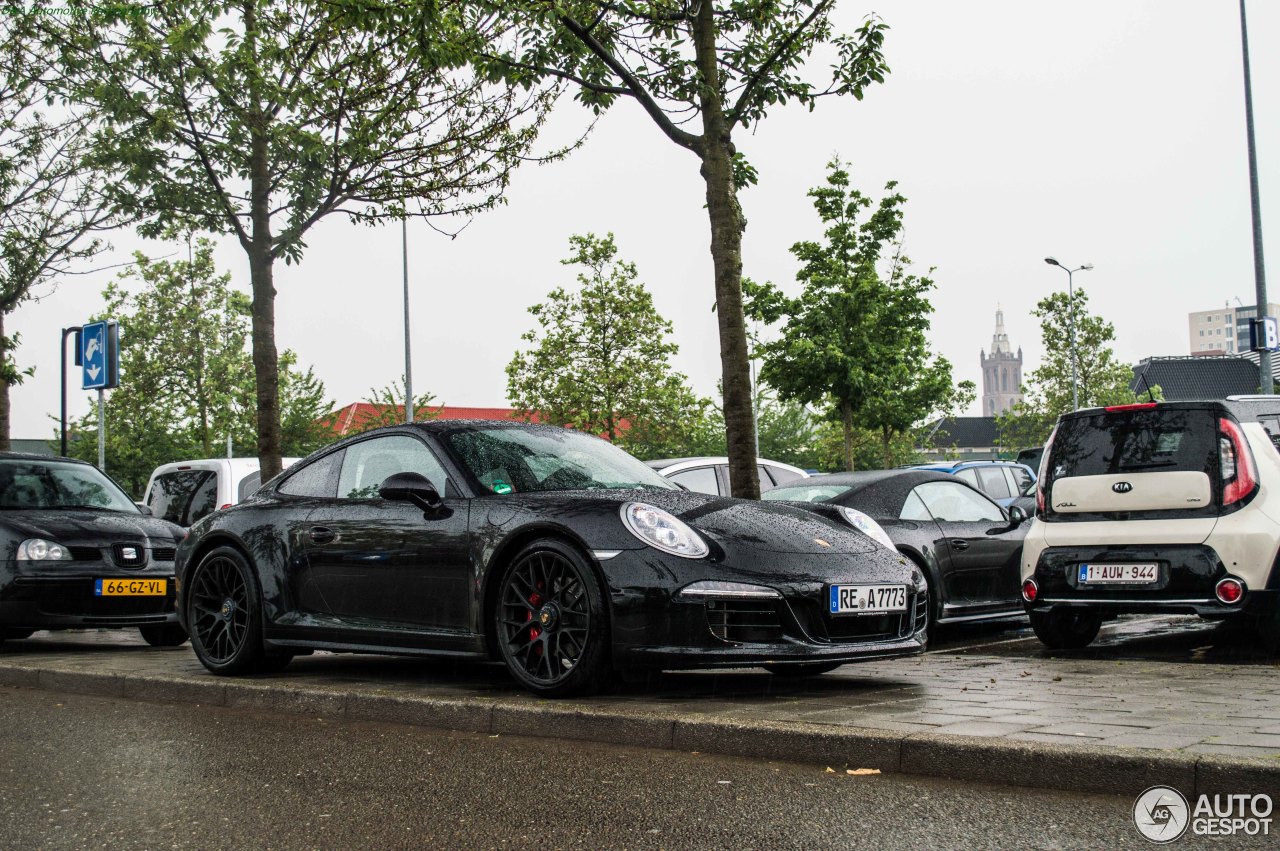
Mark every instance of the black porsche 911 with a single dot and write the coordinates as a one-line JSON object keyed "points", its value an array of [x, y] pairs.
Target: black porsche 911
{"points": [[549, 549], [968, 545], [76, 552]]}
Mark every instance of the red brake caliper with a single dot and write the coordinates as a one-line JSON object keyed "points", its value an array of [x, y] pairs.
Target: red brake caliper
{"points": [[535, 599]]}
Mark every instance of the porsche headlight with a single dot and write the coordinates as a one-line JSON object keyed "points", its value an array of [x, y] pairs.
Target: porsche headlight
{"points": [[866, 526], [38, 549], [662, 530]]}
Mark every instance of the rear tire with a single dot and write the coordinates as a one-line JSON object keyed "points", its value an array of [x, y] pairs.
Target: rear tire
{"points": [[164, 634], [797, 670], [16, 634], [551, 622], [224, 609], [1068, 628], [1267, 630]]}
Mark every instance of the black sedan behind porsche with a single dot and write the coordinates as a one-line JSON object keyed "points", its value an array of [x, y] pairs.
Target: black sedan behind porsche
{"points": [[549, 549], [967, 544], [76, 552]]}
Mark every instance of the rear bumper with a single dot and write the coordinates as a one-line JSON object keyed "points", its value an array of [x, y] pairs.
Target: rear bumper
{"points": [[1188, 574]]}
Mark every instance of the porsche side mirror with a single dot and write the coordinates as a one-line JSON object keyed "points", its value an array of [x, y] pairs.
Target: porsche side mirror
{"points": [[145, 509], [415, 488], [1016, 516]]}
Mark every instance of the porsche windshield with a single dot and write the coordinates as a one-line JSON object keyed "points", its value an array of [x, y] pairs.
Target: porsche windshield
{"points": [[517, 460], [58, 484]]}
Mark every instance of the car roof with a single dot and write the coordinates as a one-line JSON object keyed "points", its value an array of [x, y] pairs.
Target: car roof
{"points": [[37, 456]]}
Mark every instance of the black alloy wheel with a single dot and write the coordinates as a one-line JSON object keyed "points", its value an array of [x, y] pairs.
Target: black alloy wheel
{"points": [[224, 614], [163, 634], [550, 621], [1066, 628], [802, 669]]}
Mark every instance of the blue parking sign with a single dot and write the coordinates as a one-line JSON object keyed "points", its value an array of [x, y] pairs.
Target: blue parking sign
{"points": [[98, 345]]}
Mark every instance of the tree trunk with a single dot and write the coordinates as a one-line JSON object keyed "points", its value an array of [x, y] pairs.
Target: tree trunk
{"points": [[726, 258], [4, 388], [266, 367], [886, 438], [846, 418]]}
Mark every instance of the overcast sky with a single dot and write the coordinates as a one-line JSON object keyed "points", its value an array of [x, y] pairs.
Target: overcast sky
{"points": [[1109, 132]]}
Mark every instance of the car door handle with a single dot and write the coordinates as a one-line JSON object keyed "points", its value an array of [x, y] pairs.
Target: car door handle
{"points": [[322, 535], [959, 544]]}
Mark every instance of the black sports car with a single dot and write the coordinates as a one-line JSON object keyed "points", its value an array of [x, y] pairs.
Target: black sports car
{"points": [[967, 544], [549, 549], [76, 552]]}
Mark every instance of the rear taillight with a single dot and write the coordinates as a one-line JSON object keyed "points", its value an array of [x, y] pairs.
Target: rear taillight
{"points": [[1030, 590], [1239, 475], [1229, 590], [1044, 465]]}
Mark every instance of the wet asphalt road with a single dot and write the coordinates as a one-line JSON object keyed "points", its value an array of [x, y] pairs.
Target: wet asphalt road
{"points": [[85, 772]]}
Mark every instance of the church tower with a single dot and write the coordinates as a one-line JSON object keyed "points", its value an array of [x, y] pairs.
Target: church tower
{"points": [[1001, 373]]}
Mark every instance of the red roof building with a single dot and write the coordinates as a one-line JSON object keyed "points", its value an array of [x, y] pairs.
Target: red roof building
{"points": [[356, 416]]}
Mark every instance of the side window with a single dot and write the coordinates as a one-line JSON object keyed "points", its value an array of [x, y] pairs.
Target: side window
{"points": [[955, 503], [368, 463], [1019, 478], [766, 482], [781, 475], [969, 475], [913, 508], [992, 482], [204, 501], [315, 479], [699, 479]]}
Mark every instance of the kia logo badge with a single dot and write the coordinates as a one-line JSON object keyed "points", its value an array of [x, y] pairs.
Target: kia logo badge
{"points": [[1122, 487]]}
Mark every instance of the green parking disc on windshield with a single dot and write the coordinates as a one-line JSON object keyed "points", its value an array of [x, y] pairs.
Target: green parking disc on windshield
{"points": [[502, 487]]}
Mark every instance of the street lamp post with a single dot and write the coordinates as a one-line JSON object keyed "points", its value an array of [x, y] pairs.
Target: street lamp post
{"points": [[1071, 322], [408, 360]]}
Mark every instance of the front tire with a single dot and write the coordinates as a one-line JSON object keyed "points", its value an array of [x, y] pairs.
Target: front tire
{"points": [[225, 613], [163, 634], [551, 622], [1066, 629]]}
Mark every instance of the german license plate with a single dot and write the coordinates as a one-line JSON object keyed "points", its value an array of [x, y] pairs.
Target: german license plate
{"points": [[867, 599], [130, 587], [1119, 574]]}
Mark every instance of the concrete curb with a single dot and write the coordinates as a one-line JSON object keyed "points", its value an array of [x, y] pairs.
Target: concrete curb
{"points": [[1079, 768]]}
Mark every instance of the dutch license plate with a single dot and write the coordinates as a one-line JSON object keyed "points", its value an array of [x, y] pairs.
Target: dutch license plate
{"points": [[1119, 574], [867, 599], [130, 587]]}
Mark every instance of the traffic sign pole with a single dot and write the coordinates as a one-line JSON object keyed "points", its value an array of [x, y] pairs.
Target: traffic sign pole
{"points": [[102, 433]]}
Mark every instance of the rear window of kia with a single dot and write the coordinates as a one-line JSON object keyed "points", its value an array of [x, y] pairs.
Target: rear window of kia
{"points": [[1149, 441]]}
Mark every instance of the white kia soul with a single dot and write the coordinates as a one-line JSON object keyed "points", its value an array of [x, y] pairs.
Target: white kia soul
{"points": [[1157, 507]]}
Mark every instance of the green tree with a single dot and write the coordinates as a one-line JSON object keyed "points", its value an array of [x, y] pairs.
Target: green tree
{"points": [[51, 204], [1101, 379], [723, 64], [186, 382], [259, 118], [599, 360], [856, 338]]}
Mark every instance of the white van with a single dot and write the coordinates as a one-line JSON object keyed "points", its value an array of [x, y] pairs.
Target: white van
{"points": [[185, 491]]}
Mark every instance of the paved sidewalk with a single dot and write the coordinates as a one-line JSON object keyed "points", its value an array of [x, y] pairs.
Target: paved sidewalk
{"points": [[1006, 712]]}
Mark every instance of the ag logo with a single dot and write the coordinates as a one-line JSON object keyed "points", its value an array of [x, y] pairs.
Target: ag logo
{"points": [[1122, 487], [1161, 814]]}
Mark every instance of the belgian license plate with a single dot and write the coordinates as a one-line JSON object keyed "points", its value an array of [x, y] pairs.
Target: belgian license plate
{"points": [[1119, 574], [130, 587], [867, 599]]}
